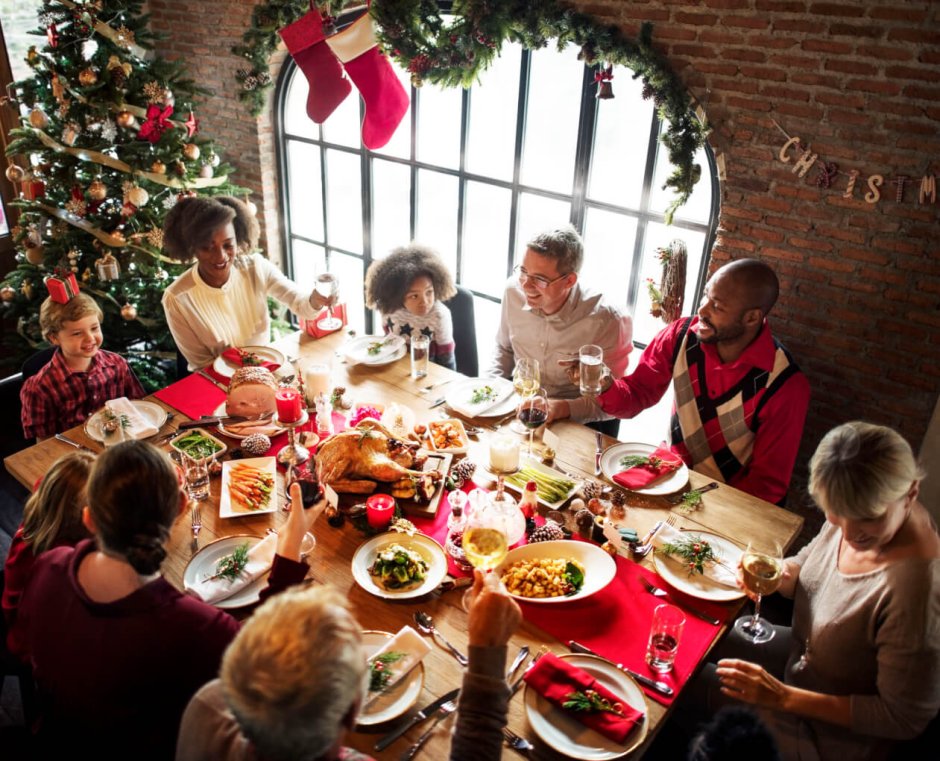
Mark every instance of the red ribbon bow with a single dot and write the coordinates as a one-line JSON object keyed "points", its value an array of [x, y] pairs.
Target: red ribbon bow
{"points": [[604, 75], [158, 122]]}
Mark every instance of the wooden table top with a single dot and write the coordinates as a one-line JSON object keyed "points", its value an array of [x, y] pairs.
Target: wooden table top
{"points": [[727, 511]]}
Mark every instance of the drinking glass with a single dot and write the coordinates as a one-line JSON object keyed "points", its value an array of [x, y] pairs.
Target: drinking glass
{"points": [[762, 569], [196, 472], [526, 378], [591, 368], [665, 633], [533, 412], [485, 543], [328, 287], [420, 350]]}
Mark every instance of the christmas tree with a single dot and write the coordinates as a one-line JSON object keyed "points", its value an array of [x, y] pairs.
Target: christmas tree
{"points": [[109, 142]]}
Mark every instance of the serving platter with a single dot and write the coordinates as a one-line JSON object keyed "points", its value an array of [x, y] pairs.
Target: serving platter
{"points": [[610, 466], [487, 477], [152, 412], [430, 550], [227, 507], [227, 368]]}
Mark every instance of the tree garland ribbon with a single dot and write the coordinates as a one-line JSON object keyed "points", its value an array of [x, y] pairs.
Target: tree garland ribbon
{"points": [[112, 34]]}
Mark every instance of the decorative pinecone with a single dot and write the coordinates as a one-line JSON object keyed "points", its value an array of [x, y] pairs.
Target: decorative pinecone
{"points": [[462, 471], [256, 444], [591, 490], [549, 532], [618, 498], [584, 520]]}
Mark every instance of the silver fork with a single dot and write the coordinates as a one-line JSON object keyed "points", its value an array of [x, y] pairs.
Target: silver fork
{"points": [[517, 743], [644, 549], [197, 520], [442, 713]]}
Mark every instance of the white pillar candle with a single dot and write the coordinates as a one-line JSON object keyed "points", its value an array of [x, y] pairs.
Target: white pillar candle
{"points": [[504, 454], [317, 379]]}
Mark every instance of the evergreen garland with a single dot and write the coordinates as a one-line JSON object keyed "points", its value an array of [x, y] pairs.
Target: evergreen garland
{"points": [[456, 52]]}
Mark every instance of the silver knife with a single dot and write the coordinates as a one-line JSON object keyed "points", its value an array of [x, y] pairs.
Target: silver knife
{"points": [[213, 381], [66, 440], [654, 684], [517, 662], [438, 402], [598, 452], [423, 714]]}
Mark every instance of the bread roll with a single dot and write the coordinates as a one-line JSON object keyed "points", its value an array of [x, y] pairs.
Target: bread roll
{"points": [[251, 392]]}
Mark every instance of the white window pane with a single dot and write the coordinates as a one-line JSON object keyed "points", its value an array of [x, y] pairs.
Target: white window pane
{"points": [[645, 326], [305, 190], [296, 121], [400, 144], [343, 201], [342, 126], [390, 205], [699, 206], [437, 215], [439, 125], [621, 138], [494, 103], [486, 315], [538, 214], [307, 260], [348, 269], [552, 119], [609, 239], [486, 238]]}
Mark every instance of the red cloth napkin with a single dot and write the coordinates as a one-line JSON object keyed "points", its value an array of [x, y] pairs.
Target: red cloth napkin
{"points": [[640, 476], [555, 679], [615, 623], [235, 356], [193, 396]]}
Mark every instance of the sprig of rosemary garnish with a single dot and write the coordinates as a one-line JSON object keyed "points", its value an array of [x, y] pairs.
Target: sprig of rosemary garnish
{"points": [[231, 566], [691, 501], [483, 394], [376, 347], [590, 702], [379, 672], [114, 421], [639, 460], [695, 551]]}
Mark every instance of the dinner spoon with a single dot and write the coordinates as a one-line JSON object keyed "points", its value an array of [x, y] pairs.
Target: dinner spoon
{"points": [[425, 625]]}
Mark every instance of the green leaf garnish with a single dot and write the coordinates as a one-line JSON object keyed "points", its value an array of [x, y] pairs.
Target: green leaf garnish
{"points": [[590, 702], [231, 566], [695, 551], [483, 394], [575, 577]]}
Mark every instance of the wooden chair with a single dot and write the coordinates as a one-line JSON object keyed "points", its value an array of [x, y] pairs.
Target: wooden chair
{"points": [[465, 332]]}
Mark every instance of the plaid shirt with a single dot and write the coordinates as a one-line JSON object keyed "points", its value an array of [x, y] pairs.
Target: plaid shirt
{"points": [[57, 398]]}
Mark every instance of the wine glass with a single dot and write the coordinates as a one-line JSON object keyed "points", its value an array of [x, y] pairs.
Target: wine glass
{"points": [[328, 287], [533, 412], [484, 539], [762, 572], [526, 378]]}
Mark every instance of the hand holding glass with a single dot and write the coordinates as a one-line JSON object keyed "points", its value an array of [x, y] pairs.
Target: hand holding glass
{"points": [[591, 368], [484, 539], [762, 571], [328, 288]]}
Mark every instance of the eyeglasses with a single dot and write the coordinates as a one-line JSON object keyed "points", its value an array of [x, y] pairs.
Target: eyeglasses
{"points": [[538, 281]]}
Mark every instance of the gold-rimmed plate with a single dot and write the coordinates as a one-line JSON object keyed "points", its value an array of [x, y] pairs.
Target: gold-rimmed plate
{"points": [[202, 565], [227, 368]]}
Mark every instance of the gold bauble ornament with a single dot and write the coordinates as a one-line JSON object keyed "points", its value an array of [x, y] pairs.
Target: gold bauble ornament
{"points": [[87, 275], [158, 167], [129, 312], [124, 119], [206, 171], [32, 55], [35, 255], [191, 151], [27, 289], [180, 168], [7, 294], [87, 77], [97, 191], [137, 196], [15, 173], [38, 118]]}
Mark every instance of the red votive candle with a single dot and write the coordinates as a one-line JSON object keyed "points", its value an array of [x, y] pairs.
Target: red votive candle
{"points": [[289, 406], [379, 510]]}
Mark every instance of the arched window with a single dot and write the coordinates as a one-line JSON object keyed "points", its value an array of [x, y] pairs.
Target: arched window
{"points": [[475, 173]]}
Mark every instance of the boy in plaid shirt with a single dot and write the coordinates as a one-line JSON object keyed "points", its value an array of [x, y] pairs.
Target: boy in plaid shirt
{"points": [[80, 377]]}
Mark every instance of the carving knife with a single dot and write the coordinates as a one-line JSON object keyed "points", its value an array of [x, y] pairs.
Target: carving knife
{"points": [[423, 714], [654, 684]]}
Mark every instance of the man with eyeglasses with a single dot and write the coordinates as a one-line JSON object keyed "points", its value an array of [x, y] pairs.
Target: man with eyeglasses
{"points": [[548, 315]]}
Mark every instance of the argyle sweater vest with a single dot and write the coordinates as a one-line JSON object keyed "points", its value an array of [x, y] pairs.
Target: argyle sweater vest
{"points": [[718, 433]]}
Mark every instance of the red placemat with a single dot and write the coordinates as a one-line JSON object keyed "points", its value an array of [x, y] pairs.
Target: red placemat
{"points": [[193, 396], [615, 624]]}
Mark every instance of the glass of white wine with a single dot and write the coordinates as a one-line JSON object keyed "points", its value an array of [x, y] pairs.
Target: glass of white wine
{"points": [[484, 540], [762, 570], [526, 379], [328, 287]]}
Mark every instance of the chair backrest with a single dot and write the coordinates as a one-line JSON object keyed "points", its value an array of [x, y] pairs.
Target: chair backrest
{"points": [[465, 332], [35, 362]]}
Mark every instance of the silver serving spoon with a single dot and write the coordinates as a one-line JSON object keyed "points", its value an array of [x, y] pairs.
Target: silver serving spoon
{"points": [[425, 625]]}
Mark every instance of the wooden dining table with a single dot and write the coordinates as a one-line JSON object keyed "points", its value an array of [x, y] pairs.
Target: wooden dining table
{"points": [[725, 511]]}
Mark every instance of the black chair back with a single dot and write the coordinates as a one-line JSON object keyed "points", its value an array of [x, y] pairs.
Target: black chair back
{"points": [[35, 362], [465, 332]]}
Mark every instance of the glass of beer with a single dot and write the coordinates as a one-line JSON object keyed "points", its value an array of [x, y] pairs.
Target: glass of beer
{"points": [[762, 571]]}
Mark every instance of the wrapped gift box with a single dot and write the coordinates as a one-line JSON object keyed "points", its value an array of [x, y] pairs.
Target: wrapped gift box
{"points": [[62, 287]]}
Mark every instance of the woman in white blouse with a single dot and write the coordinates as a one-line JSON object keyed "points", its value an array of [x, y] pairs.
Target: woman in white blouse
{"points": [[221, 301]]}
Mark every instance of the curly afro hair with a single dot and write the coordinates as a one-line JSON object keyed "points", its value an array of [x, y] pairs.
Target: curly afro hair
{"points": [[388, 279], [192, 221]]}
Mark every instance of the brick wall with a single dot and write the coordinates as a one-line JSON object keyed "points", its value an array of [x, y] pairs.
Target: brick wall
{"points": [[857, 80]]}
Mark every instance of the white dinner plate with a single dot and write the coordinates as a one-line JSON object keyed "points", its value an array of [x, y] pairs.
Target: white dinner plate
{"points": [[203, 564], [565, 734], [430, 550], [460, 393], [676, 574], [610, 465], [599, 567], [223, 367], [226, 507], [270, 429], [152, 412], [394, 702], [392, 348]]}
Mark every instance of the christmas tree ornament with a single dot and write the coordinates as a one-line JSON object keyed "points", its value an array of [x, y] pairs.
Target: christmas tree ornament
{"points": [[38, 118], [179, 167], [108, 131], [32, 188], [118, 236], [70, 133], [383, 94], [97, 190], [206, 171], [156, 123], [158, 167], [35, 254], [129, 312], [169, 99], [87, 275], [62, 288], [7, 294], [161, 274], [213, 159], [192, 125], [32, 55], [155, 93], [137, 196], [119, 71], [605, 90], [52, 36], [15, 173], [27, 289], [191, 151], [124, 37], [107, 268], [128, 210], [87, 77], [58, 89], [328, 87], [125, 119]]}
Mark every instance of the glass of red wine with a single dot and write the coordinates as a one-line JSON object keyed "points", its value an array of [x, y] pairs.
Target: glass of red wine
{"points": [[532, 413]]}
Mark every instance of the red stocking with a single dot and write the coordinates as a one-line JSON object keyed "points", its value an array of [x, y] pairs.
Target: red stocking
{"points": [[385, 98], [328, 86]]}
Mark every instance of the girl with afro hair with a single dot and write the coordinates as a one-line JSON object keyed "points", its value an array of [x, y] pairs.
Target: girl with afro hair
{"points": [[407, 288]]}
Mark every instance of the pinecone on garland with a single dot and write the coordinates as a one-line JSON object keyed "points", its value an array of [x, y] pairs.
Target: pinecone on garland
{"points": [[591, 490], [549, 532]]}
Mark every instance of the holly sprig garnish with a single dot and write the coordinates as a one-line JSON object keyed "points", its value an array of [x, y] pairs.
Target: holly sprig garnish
{"points": [[590, 701], [379, 672], [231, 566], [640, 460], [695, 551]]}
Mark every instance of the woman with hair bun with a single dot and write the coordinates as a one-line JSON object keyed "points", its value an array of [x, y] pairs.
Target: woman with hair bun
{"points": [[862, 659], [116, 650]]}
